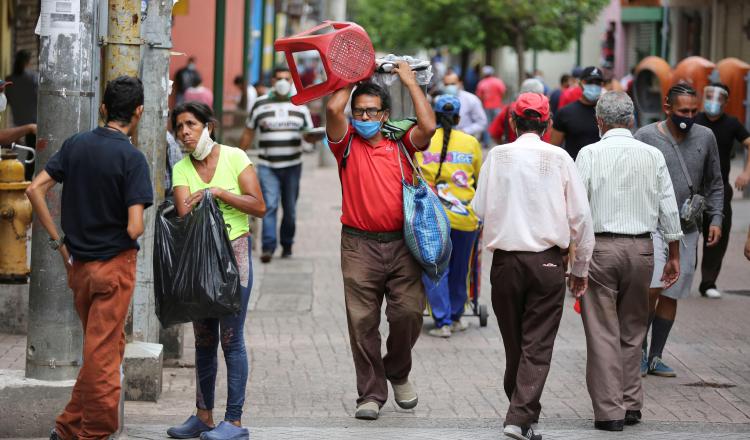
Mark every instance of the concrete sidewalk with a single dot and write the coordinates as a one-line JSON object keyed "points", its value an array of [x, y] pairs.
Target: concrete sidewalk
{"points": [[302, 382]]}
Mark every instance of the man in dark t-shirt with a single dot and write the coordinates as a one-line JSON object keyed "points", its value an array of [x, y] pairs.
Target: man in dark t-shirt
{"points": [[726, 129], [106, 187], [574, 125]]}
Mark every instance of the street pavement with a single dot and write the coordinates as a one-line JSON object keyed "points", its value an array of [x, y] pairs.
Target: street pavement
{"points": [[302, 383]]}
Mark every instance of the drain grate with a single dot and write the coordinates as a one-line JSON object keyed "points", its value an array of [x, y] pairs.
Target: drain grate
{"points": [[704, 384]]}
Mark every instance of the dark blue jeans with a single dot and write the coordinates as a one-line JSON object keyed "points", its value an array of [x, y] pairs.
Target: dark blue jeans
{"points": [[448, 296], [280, 184], [228, 330]]}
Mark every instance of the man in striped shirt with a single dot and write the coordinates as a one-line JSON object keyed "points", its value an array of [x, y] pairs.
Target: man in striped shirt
{"points": [[282, 126], [630, 192]]}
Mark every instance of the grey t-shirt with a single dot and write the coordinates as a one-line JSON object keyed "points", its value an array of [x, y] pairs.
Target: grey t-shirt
{"points": [[701, 157]]}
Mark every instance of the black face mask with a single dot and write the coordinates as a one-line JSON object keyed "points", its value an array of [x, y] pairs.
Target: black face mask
{"points": [[682, 123]]}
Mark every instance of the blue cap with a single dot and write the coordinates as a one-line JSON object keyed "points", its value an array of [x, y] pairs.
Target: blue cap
{"points": [[447, 104]]}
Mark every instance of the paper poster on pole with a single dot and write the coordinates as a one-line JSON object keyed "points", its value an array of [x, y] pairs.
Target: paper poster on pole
{"points": [[59, 17]]}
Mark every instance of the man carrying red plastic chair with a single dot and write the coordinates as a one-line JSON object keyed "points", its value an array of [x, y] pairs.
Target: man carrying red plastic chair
{"points": [[375, 261]]}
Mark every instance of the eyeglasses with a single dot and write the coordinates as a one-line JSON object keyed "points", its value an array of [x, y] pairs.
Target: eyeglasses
{"points": [[371, 111]]}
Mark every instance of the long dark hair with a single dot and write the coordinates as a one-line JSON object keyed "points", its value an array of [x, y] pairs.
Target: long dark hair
{"points": [[447, 121], [23, 57]]}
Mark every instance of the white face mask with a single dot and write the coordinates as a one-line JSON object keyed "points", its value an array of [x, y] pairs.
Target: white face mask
{"points": [[3, 102], [282, 87], [204, 146]]}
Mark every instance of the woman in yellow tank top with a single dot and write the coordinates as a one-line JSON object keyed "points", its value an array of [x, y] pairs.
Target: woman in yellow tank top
{"points": [[230, 176]]}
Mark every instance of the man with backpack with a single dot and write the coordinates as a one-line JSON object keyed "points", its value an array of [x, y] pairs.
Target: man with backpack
{"points": [[375, 261]]}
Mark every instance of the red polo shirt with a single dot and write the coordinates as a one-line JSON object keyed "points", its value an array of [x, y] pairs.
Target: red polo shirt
{"points": [[371, 182]]}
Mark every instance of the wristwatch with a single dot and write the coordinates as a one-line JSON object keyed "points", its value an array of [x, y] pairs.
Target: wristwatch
{"points": [[55, 244]]}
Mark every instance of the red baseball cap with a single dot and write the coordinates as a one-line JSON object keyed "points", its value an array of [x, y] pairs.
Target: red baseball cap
{"points": [[534, 102]]}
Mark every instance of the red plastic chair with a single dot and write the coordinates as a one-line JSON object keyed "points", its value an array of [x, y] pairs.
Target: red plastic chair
{"points": [[345, 50]]}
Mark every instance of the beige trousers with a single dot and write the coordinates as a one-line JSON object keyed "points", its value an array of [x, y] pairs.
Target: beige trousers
{"points": [[615, 318]]}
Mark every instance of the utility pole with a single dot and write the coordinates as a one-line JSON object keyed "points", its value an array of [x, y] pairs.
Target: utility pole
{"points": [[156, 30], [123, 50], [68, 104]]}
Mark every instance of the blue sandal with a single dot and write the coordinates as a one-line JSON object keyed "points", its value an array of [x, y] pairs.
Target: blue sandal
{"points": [[226, 431]]}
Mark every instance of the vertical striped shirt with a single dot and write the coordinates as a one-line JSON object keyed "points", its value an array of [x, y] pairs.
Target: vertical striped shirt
{"points": [[628, 185], [278, 126]]}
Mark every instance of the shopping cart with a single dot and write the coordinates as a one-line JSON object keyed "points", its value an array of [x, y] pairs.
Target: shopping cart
{"points": [[474, 279]]}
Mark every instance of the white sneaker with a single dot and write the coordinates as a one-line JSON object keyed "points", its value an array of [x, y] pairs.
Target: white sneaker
{"points": [[367, 411], [459, 326], [405, 395], [713, 293], [516, 432], [441, 332]]}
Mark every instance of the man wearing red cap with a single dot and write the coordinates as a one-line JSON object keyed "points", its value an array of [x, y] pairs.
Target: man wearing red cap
{"points": [[534, 207]]}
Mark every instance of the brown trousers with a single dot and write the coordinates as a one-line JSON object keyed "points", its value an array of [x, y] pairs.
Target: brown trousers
{"points": [[615, 319], [528, 291], [102, 291], [373, 270]]}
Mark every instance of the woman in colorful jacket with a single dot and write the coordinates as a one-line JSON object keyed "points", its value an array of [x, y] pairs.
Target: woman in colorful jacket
{"points": [[451, 166]]}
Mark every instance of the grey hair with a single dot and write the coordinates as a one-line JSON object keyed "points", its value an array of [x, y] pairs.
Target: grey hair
{"points": [[532, 85], [615, 109]]}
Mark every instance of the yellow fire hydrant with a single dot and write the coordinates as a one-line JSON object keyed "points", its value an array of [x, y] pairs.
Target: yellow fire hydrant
{"points": [[15, 218]]}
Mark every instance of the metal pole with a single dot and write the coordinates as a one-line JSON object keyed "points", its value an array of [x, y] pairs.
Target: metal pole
{"points": [[123, 51], [746, 191], [579, 35], [665, 33], [221, 12], [68, 84], [334, 10], [156, 31], [247, 40]]}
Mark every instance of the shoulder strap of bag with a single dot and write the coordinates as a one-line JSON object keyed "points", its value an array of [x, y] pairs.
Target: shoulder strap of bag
{"points": [[679, 156], [416, 169], [347, 151]]}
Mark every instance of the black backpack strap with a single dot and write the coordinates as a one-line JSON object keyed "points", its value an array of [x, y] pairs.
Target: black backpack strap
{"points": [[347, 151]]}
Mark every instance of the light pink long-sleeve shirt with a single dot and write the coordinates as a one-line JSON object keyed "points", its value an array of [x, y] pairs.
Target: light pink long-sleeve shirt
{"points": [[531, 198]]}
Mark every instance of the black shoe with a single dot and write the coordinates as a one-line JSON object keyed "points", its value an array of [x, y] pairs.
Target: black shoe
{"points": [[609, 425], [265, 257], [53, 435], [286, 252], [632, 417]]}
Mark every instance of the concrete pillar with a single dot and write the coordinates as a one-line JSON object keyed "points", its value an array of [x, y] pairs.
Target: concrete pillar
{"points": [[68, 104]]}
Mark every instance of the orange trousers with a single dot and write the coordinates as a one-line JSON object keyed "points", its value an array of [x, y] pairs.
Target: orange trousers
{"points": [[102, 291]]}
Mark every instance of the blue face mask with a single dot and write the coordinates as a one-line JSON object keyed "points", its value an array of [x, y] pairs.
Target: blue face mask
{"points": [[451, 90], [712, 108], [366, 129], [592, 92]]}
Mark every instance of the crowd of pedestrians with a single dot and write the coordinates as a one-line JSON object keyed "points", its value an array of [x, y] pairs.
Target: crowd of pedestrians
{"points": [[571, 195]]}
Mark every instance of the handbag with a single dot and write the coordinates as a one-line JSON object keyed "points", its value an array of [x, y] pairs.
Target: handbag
{"points": [[426, 227], [691, 211]]}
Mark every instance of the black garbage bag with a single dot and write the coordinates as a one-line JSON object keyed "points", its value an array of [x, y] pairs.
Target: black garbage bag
{"points": [[195, 271]]}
